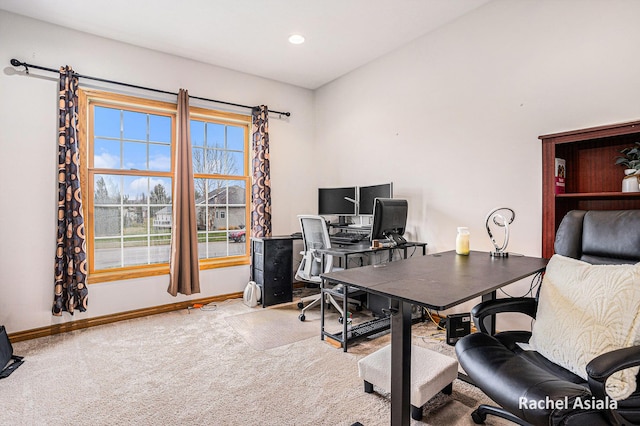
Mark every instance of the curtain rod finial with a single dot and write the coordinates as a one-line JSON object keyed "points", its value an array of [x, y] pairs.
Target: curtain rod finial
{"points": [[17, 63]]}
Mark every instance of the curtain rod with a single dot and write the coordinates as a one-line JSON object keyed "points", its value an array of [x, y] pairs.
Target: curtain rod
{"points": [[17, 63]]}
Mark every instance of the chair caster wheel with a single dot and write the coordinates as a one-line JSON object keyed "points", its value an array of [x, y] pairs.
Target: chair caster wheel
{"points": [[478, 418], [300, 305], [301, 317], [340, 320]]}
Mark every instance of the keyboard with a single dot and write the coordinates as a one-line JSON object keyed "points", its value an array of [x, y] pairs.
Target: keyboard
{"points": [[344, 237]]}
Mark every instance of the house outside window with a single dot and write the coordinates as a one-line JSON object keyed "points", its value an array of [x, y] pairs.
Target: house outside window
{"points": [[128, 148], [221, 180]]}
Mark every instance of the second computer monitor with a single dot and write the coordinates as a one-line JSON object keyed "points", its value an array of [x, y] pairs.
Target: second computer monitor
{"points": [[367, 195], [337, 201], [389, 219]]}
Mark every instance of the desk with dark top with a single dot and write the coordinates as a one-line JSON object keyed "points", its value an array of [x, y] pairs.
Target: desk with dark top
{"points": [[382, 322], [438, 281], [343, 252]]}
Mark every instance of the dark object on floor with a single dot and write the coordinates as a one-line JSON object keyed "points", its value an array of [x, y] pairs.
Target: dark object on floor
{"points": [[510, 375], [458, 326], [6, 355], [272, 268]]}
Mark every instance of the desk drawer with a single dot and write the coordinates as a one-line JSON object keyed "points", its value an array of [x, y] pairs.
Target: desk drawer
{"points": [[279, 268], [275, 293], [279, 250], [271, 280]]}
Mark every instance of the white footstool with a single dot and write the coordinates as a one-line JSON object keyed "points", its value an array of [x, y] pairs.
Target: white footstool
{"points": [[431, 372]]}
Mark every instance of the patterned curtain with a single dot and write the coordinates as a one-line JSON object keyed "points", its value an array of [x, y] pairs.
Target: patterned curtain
{"points": [[261, 187], [70, 291], [184, 267]]}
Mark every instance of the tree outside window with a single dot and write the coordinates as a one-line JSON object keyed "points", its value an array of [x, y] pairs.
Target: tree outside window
{"points": [[128, 153]]}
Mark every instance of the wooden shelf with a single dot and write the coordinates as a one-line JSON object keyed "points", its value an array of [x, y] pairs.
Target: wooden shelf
{"points": [[600, 195], [592, 179]]}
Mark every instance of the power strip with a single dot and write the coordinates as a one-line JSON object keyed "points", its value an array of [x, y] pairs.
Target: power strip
{"points": [[382, 244]]}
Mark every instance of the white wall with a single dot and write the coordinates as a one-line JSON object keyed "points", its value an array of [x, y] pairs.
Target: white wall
{"points": [[28, 148], [453, 118]]}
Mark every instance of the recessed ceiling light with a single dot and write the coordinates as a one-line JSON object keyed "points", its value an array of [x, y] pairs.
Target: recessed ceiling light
{"points": [[296, 39]]}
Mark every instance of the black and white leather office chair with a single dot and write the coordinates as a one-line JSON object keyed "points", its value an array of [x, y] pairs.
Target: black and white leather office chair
{"points": [[315, 236]]}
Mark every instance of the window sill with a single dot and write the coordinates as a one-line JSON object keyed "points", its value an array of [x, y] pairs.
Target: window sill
{"points": [[128, 273], [224, 262], [149, 271]]}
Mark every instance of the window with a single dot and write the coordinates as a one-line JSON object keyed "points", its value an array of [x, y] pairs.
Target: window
{"points": [[220, 169], [128, 146]]}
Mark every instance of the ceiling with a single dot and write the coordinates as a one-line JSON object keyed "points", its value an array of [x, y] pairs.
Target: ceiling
{"points": [[251, 35]]}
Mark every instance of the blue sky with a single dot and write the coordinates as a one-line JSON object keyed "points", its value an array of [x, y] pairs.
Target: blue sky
{"points": [[132, 140]]}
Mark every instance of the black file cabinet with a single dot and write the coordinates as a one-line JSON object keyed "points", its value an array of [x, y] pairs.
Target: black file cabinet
{"points": [[272, 268]]}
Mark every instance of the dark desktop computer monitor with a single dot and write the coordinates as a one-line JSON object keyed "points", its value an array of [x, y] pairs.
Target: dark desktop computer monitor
{"points": [[337, 201], [389, 219], [367, 194]]}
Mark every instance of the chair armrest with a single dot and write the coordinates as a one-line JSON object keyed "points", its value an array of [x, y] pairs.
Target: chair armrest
{"points": [[603, 366], [524, 305]]}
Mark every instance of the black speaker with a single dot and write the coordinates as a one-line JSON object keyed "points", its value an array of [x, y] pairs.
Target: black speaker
{"points": [[458, 325]]}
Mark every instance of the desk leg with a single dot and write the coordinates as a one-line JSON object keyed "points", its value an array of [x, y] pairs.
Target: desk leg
{"points": [[400, 362], [322, 283], [345, 315], [490, 321]]}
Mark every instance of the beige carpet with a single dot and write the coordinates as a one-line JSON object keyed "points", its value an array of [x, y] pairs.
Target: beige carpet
{"points": [[193, 368], [271, 327], [268, 328]]}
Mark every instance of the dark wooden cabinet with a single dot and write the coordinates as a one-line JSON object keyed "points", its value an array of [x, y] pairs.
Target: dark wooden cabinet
{"points": [[272, 268], [593, 180]]}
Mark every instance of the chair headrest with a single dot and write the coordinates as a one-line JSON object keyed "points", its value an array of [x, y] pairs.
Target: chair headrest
{"points": [[600, 236]]}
